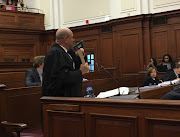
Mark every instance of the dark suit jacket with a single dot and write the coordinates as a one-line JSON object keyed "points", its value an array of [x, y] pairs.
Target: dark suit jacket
{"points": [[32, 78], [59, 77], [172, 95], [170, 75], [149, 81]]}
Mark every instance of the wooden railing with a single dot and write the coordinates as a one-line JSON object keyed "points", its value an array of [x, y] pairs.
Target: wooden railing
{"points": [[36, 9]]}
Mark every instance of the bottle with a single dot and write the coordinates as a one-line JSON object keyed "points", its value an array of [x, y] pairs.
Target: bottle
{"points": [[89, 91]]}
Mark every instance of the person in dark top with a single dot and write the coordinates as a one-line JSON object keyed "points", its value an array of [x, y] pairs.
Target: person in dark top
{"points": [[152, 63], [172, 95], [151, 77], [59, 75], [167, 64], [34, 76], [173, 74]]}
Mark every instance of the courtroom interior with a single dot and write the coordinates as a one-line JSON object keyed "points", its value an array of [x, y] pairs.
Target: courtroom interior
{"points": [[127, 51]]}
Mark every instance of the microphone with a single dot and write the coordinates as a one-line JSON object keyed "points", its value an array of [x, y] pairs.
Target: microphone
{"points": [[111, 77]]}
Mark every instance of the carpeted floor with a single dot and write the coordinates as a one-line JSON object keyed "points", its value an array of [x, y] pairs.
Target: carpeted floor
{"points": [[34, 133]]}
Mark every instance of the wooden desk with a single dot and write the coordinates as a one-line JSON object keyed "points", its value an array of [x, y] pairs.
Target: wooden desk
{"points": [[155, 93], [91, 117]]}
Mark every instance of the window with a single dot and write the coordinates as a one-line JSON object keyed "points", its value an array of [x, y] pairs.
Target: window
{"points": [[90, 59]]}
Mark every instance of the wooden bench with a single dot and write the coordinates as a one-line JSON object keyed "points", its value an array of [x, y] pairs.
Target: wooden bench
{"points": [[21, 105]]}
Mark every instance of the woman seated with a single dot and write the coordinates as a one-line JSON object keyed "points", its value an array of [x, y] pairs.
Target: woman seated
{"points": [[152, 63], [9, 5], [167, 64], [151, 77]]}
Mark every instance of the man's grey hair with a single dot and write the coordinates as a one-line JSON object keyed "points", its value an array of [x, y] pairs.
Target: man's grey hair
{"points": [[62, 34]]}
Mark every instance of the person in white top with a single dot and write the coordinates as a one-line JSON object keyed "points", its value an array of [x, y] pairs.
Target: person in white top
{"points": [[21, 6]]}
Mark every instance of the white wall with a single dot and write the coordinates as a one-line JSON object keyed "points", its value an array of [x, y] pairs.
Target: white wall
{"points": [[69, 13]]}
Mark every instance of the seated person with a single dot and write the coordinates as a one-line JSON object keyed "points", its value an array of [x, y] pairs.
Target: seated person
{"points": [[34, 76], [152, 63], [151, 77], [167, 64], [76, 58], [173, 74], [21, 6], [9, 5], [172, 95]]}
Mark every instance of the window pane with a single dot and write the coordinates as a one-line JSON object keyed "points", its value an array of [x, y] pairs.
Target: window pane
{"points": [[92, 62], [92, 56], [88, 56]]}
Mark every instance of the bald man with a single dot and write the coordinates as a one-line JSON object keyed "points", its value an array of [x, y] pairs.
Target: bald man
{"points": [[60, 78]]}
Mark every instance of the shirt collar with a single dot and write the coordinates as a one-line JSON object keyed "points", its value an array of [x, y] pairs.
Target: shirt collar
{"points": [[63, 48], [39, 72]]}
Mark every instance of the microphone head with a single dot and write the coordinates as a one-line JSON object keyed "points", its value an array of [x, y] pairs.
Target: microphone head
{"points": [[101, 66]]}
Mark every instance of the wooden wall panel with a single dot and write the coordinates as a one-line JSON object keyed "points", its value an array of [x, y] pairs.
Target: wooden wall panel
{"points": [[177, 42], [130, 53], [106, 50], [159, 42]]}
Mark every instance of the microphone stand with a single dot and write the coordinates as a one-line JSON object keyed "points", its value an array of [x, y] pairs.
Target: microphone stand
{"points": [[99, 77], [111, 77]]}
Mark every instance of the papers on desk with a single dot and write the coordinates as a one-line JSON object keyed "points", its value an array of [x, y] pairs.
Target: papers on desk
{"points": [[2, 85], [166, 83], [110, 93], [84, 79]]}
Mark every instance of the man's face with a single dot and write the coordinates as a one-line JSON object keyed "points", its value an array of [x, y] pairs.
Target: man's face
{"points": [[70, 40]]}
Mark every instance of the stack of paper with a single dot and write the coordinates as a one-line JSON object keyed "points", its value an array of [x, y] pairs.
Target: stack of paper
{"points": [[110, 93]]}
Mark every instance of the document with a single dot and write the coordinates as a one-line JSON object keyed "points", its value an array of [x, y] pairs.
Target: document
{"points": [[110, 93]]}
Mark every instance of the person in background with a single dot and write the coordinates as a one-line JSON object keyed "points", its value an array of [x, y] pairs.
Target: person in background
{"points": [[151, 77], [152, 63], [9, 5], [173, 74], [167, 64], [34, 76], [59, 75], [21, 6]]}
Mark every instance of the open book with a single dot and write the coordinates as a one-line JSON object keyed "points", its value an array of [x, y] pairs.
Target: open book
{"points": [[113, 92]]}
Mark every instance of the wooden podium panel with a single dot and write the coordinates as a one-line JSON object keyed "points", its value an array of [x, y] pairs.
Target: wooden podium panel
{"points": [[111, 117], [66, 124]]}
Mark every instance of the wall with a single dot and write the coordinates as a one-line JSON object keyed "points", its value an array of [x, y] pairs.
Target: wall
{"points": [[63, 13]]}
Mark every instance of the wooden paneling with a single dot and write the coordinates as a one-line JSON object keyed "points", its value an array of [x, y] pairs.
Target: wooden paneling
{"points": [[21, 105], [61, 122], [20, 20], [106, 50], [106, 125], [159, 42], [157, 127], [177, 41], [119, 117]]}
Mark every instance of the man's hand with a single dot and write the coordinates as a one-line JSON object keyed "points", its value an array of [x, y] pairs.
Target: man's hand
{"points": [[81, 49], [85, 68]]}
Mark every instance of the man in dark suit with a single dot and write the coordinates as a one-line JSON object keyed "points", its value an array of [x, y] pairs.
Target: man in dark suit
{"points": [[34, 76], [173, 74], [60, 78]]}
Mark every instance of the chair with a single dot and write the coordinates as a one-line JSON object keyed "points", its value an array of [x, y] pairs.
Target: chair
{"points": [[8, 128]]}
